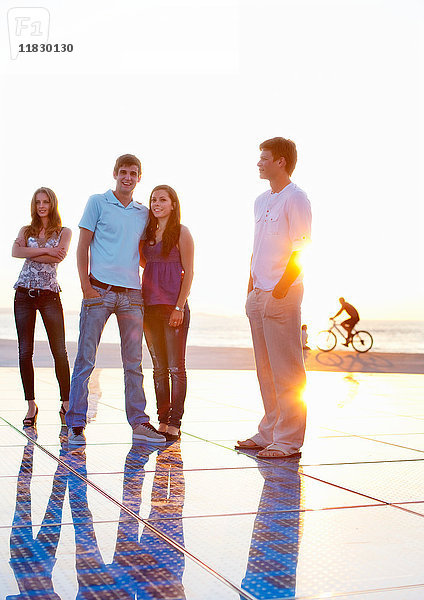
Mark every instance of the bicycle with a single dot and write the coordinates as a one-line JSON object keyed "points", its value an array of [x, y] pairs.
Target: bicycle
{"points": [[361, 340]]}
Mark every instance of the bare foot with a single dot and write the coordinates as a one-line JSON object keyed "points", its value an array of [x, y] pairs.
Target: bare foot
{"points": [[248, 445]]}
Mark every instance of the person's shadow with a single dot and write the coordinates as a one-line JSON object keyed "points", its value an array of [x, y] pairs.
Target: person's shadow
{"points": [[274, 547], [32, 559]]}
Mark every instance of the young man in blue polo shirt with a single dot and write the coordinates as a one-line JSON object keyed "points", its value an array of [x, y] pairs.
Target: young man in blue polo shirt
{"points": [[108, 265]]}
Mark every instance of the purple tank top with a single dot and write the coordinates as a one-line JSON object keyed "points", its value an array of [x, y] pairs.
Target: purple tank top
{"points": [[161, 276]]}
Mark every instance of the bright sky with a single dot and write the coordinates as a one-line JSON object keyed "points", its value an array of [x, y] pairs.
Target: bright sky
{"points": [[192, 88]]}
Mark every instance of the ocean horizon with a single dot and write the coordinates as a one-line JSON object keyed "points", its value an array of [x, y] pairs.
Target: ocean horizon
{"points": [[233, 331]]}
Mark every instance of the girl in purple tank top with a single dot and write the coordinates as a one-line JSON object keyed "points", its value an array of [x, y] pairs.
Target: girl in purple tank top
{"points": [[167, 258]]}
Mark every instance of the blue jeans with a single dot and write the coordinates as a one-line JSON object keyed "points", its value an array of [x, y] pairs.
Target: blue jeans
{"points": [[167, 346], [128, 307], [50, 307]]}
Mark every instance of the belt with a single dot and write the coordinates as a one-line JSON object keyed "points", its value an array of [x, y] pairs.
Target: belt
{"points": [[112, 288], [34, 292]]}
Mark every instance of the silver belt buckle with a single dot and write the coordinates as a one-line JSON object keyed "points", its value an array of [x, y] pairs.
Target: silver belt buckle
{"points": [[29, 292]]}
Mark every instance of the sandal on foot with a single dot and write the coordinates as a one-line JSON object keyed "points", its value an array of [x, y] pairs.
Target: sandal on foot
{"points": [[247, 445], [31, 421]]}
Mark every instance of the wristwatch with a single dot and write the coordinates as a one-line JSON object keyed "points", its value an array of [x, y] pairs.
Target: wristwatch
{"points": [[179, 309]]}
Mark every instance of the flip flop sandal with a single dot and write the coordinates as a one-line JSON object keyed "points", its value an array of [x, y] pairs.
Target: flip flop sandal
{"points": [[252, 446]]}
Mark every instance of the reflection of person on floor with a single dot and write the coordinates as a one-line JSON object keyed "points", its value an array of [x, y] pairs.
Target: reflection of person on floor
{"points": [[349, 323], [33, 559], [153, 567], [304, 334], [143, 567], [275, 291], [93, 575], [274, 548]]}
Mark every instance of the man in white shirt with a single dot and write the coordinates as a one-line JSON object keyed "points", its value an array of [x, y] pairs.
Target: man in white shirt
{"points": [[275, 291]]}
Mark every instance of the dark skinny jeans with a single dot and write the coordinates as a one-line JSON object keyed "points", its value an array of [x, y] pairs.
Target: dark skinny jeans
{"points": [[50, 307], [167, 346]]}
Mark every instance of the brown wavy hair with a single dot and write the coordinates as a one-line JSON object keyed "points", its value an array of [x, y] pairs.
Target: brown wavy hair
{"points": [[54, 225], [171, 235]]}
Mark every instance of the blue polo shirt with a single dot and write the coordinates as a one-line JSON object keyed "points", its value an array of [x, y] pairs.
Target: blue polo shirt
{"points": [[114, 253]]}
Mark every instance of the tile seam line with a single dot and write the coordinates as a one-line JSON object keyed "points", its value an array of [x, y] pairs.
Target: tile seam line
{"points": [[244, 468], [343, 433], [336, 595], [364, 437], [227, 447], [379, 501], [208, 516], [165, 538], [254, 412]]}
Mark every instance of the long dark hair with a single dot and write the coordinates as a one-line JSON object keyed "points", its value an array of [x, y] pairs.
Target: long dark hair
{"points": [[54, 225], [171, 234]]}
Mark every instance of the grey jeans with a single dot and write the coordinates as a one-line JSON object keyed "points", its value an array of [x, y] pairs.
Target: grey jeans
{"points": [[276, 326]]}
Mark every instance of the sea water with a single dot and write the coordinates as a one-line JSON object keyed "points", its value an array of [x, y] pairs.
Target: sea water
{"points": [[224, 330]]}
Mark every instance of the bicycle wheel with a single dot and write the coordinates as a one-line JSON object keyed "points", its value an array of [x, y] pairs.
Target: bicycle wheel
{"points": [[326, 341], [362, 341]]}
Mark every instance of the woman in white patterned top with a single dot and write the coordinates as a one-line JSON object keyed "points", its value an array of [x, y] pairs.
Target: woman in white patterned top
{"points": [[44, 243]]}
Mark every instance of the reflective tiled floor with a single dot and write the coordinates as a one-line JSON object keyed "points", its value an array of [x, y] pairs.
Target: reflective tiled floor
{"points": [[199, 520]]}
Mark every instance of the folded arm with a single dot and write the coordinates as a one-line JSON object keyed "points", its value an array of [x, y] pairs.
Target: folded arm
{"points": [[56, 255], [42, 255]]}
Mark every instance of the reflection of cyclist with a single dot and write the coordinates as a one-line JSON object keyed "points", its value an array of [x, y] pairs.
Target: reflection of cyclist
{"points": [[350, 323]]}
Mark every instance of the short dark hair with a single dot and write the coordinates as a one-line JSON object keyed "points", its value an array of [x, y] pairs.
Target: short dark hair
{"points": [[127, 160], [281, 147]]}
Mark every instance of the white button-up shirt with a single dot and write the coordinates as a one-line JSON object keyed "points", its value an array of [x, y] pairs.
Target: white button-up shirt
{"points": [[282, 226]]}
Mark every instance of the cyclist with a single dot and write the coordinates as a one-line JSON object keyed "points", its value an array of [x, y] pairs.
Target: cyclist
{"points": [[350, 323]]}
